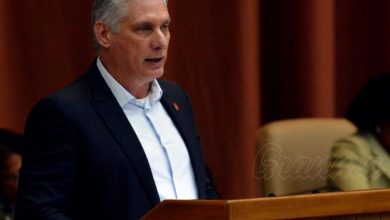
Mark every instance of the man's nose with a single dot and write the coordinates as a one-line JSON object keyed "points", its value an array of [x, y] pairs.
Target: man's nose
{"points": [[160, 40]]}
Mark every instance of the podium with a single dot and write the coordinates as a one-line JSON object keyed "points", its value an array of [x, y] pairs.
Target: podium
{"points": [[368, 204]]}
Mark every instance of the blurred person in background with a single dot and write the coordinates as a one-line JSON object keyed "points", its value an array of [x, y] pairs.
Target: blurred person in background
{"points": [[10, 162], [362, 161]]}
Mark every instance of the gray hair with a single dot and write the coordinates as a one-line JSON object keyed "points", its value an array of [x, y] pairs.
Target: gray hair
{"points": [[110, 12]]}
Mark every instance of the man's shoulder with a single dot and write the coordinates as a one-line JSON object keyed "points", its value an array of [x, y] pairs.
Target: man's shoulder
{"points": [[168, 85], [78, 89], [76, 93], [171, 89]]}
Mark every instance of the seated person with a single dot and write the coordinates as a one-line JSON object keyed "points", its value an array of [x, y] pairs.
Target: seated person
{"points": [[362, 161], [10, 162]]}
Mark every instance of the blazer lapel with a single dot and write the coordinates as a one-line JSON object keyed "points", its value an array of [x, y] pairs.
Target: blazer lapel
{"points": [[177, 109], [117, 123]]}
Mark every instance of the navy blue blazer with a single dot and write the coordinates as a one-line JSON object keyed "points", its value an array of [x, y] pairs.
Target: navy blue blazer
{"points": [[83, 160]]}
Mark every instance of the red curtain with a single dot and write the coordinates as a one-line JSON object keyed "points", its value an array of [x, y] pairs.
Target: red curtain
{"points": [[316, 54], [243, 63], [214, 56], [43, 46]]}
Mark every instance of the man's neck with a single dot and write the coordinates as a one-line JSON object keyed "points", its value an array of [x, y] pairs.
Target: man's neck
{"points": [[138, 88]]}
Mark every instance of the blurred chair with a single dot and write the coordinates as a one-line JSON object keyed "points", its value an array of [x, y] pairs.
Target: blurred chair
{"points": [[292, 155]]}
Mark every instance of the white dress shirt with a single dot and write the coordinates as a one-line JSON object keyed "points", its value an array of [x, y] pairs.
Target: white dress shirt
{"points": [[163, 145]]}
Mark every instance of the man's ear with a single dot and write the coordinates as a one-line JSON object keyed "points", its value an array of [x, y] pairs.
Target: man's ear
{"points": [[103, 34]]}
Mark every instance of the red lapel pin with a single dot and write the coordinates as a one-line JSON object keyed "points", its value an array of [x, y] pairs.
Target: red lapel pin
{"points": [[176, 106]]}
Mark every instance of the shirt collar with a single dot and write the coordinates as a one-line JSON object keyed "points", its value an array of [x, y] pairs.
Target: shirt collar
{"points": [[124, 97]]}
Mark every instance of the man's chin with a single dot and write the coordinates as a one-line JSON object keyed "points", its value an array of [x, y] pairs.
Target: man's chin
{"points": [[157, 73]]}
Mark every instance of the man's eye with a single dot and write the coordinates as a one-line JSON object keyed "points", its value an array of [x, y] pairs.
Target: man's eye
{"points": [[165, 27], [144, 29]]}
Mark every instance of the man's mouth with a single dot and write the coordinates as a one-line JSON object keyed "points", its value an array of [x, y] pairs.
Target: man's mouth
{"points": [[154, 60]]}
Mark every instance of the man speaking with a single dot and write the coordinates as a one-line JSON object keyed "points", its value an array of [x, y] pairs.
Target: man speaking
{"points": [[117, 141]]}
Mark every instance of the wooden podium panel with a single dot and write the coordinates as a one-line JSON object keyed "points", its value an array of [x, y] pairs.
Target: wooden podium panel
{"points": [[369, 204]]}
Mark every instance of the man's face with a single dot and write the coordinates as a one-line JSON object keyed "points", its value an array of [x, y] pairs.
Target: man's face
{"points": [[141, 45]]}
